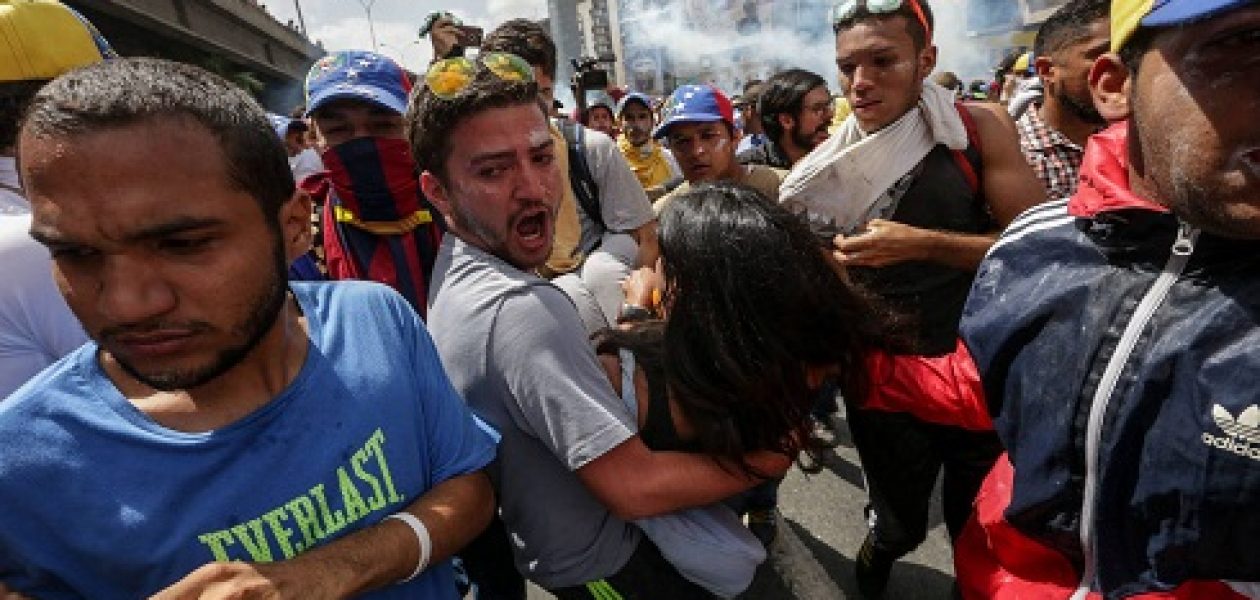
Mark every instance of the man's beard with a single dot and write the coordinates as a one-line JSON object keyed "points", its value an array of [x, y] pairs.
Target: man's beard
{"points": [[1084, 111], [266, 304], [805, 140]]}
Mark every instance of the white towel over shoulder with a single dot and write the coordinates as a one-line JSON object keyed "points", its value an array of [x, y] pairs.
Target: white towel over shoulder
{"points": [[843, 179]]}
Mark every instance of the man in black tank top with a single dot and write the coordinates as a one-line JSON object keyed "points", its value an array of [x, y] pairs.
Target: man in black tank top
{"points": [[920, 258]]}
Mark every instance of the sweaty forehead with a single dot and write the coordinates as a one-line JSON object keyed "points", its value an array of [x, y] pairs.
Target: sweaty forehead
{"points": [[130, 172], [153, 149]]}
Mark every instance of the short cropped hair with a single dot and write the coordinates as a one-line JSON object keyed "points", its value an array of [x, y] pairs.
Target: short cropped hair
{"points": [[129, 91], [430, 119], [526, 39], [783, 94], [917, 33], [1069, 25]]}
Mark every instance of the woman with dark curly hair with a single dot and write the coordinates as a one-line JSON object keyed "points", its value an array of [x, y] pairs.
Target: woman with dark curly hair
{"points": [[754, 316]]}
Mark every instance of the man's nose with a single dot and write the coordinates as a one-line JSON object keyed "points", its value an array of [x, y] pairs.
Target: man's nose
{"points": [[130, 291]]}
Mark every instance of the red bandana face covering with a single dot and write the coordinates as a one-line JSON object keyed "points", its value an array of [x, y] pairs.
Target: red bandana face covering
{"points": [[377, 224]]}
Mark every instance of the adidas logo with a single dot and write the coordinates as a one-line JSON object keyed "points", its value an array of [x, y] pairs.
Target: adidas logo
{"points": [[1242, 434]]}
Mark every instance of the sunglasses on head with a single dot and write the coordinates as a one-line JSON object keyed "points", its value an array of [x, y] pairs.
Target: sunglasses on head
{"points": [[845, 9], [449, 77]]}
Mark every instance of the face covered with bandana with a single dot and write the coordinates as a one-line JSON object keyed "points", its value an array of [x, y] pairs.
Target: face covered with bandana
{"points": [[374, 197]]}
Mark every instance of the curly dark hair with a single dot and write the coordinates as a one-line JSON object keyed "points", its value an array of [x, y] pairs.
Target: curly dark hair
{"points": [[430, 119], [526, 39], [753, 302]]}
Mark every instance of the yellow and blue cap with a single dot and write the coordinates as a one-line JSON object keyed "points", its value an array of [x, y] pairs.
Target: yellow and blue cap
{"points": [[1127, 16], [41, 39]]}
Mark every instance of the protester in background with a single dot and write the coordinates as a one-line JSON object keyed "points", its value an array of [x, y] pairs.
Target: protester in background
{"points": [[796, 111], [38, 41], [218, 402], [653, 164], [303, 160], [1053, 136], [913, 190], [1112, 337], [599, 117], [604, 224], [699, 128], [749, 133], [372, 221], [950, 81], [1028, 87], [443, 29], [517, 351]]}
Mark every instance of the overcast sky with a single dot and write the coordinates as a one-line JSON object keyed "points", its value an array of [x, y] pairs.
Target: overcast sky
{"points": [[342, 24]]}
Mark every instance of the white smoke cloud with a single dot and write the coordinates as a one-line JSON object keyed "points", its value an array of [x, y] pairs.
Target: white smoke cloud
{"points": [[701, 44], [502, 10]]}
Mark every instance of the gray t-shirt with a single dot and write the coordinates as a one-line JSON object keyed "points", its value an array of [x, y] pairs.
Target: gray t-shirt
{"points": [[514, 347], [623, 204]]}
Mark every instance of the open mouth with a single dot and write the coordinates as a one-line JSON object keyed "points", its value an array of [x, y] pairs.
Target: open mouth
{"points": [[531, 228]]}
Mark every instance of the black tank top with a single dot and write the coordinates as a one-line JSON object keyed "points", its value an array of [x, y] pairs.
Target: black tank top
{"points": [[932, 295], [658, 431]]}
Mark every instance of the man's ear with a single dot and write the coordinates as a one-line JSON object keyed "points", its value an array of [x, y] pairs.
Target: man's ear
{"points": [[786, 121], [927, 60], [1045, 68], [1109, 82], [436, 192], [295, 225]]}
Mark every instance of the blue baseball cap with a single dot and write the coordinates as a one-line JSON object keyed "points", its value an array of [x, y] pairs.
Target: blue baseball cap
{"points": [[695, 104], [1128, 15], [357, 75], [639, 97]]}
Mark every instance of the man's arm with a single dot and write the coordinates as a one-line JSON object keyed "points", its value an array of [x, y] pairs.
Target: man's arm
{"points": [[1010, 187], [634, 482], [454, 512]]}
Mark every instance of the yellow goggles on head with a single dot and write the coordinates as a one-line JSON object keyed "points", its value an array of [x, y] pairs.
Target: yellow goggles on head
{"points": [[449, 77]]}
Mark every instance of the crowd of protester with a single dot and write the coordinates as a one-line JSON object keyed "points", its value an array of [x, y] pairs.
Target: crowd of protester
{"points": [[426, 337]]}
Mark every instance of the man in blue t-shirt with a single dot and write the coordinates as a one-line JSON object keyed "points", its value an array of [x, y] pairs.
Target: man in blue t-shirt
{"points": [[221, 429]]}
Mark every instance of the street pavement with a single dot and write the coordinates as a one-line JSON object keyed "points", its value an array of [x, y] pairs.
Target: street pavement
{"points": [[820, 529]]}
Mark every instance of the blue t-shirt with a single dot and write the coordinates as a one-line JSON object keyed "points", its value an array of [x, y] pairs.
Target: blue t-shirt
{"points": [[97, 500]]}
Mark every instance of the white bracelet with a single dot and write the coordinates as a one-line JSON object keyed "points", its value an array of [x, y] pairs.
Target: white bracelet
{"points": [[422, 534]]}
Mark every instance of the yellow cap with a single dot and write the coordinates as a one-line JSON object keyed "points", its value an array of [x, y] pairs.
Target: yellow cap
{"points": [[1126, 17], [41, 39], [1021, 63]]}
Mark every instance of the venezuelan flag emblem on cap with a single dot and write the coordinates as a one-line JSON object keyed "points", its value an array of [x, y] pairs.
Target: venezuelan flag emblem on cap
{"points": [[1127, 16]]}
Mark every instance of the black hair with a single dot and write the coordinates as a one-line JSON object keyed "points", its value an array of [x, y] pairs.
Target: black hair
{"points": [[916, 30], [783, 94], [128, 91], [526, 39], [1069, 25], [430, 119], [754, 301], [15, 98]]}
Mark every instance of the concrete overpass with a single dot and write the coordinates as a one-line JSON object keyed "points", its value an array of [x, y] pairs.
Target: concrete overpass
{"points": [[235, 38]]}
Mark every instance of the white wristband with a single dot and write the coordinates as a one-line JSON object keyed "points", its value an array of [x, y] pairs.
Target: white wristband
{"points": [[422, 534]]}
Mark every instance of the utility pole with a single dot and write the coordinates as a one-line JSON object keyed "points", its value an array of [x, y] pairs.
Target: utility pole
{"points": [[297, 6], [367, 8]]}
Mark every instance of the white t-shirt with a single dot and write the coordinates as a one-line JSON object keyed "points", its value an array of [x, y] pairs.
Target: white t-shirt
{"points": [[36, 326]]}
